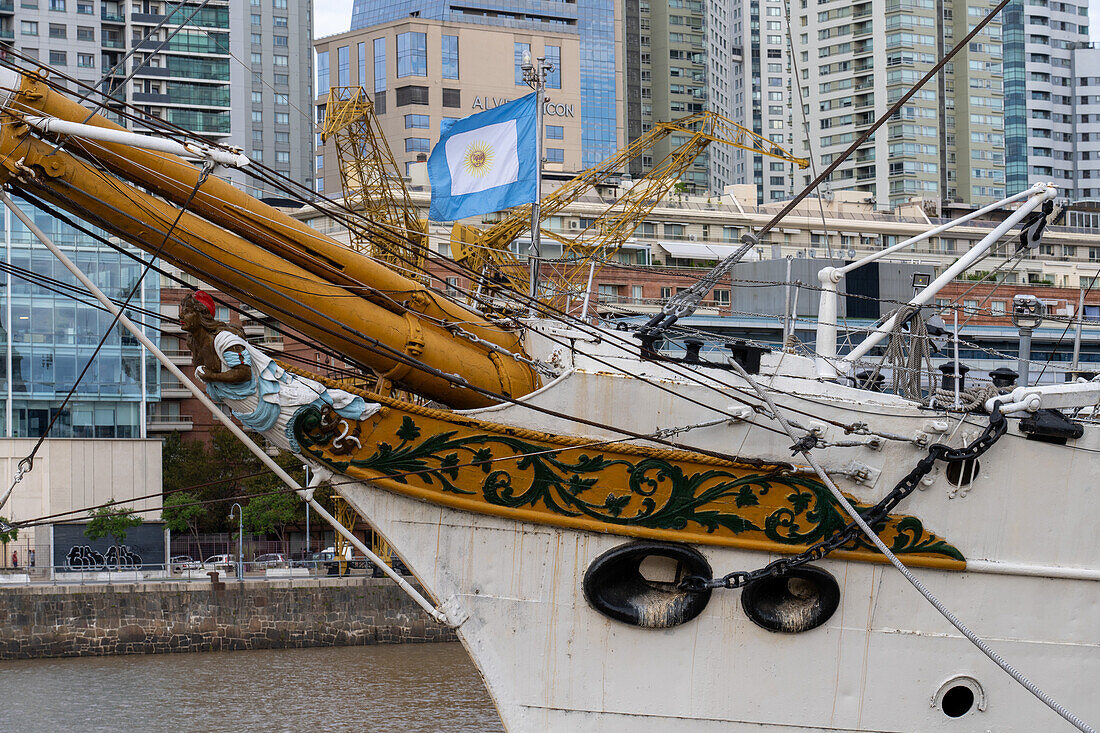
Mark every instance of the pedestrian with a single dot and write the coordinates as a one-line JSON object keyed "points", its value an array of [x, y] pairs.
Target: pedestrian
{"points": [[14, 558], [30, 556]]}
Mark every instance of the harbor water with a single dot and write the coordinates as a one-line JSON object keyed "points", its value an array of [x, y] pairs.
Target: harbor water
{"points": [[400, 688]]}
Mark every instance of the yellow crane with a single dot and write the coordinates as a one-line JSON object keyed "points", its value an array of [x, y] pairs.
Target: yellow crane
{"points": [[373, 185], [487, 251]]}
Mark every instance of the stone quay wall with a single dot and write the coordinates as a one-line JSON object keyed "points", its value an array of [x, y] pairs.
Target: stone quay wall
{"points": [[166, 617]]}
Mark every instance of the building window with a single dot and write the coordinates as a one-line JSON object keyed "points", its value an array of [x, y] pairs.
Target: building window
{"points": [[85, 8], [323, 83], [58, 30], [257, 136], [282, 60], [361, 59], [379, 65], [282, 41], [449, 57], [282, 118], [57, 5], [555, 155], [555, 132], [417, 121], [412, 54], [282, 80], [417, 145], [279, 4], [452, 98], [282, 99], [520, 49], [85, 33], [28, 28], [257, 19], [343, 66], [282, 137], [257, 115], [58, 58], [257, 59], [553, 56], [412, 95], [257, 97], [279, 21], [257, 39], [282, 156], [85, 60]]}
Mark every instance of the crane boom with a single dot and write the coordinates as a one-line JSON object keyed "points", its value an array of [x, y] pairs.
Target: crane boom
{"points": [[488, 250], [373, 185]]}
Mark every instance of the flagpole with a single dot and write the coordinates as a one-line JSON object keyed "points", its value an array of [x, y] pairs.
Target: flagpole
{"points": [[535, 76]]}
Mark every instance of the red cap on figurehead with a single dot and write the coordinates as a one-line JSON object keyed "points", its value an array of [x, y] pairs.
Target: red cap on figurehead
{"points": [[204, 297]]}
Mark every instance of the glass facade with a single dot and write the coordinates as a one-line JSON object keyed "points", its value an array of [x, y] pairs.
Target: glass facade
{"points": [[1015, 91], [52, 327], [517, 55], [553, 78], [412, 54], [379, 64], [361, 59], [343, 66], [593, 20], [449, 57]]}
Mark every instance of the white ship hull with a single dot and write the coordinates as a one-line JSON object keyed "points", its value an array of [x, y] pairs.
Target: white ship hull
{"points": [[881, 663]]}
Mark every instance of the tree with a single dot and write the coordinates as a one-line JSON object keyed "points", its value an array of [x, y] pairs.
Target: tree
{"points": [[182, 512], [8, 534], [272, 512], [111, 520]]}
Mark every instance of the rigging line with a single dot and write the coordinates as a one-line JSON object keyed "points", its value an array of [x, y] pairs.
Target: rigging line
{"points": [[711, 407], [978, 28], [668, 369], [28, 460], [1069, 322], [797, 83], [375, 346]]}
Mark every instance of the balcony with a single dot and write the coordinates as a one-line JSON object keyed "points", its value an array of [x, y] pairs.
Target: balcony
{"points": [[179, 357], [157, 423], [7, 35], [7, 6], [146, 18], [109, 17], [111, 43], [174, 392], [149, 97]]}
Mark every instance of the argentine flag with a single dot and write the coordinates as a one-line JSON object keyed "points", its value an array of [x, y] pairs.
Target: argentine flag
{"points": [[485, 162]]}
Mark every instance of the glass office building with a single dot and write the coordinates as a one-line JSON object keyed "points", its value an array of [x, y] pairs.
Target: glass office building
{"points": [[51, 331], [592, 20]]}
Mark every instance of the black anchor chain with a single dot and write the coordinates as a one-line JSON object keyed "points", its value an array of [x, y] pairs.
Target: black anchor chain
{"points": [[997, 427]]}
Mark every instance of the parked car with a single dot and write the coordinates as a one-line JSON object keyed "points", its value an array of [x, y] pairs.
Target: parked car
{"points": [[270, 560], [224, 563], [179, 563], [327, 557]]}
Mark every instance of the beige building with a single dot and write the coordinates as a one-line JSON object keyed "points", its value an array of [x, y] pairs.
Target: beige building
{"points": [[420, 72], [70, 475]]}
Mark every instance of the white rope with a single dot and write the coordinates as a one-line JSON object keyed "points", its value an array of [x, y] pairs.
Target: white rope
{"points": [[939, 606]]}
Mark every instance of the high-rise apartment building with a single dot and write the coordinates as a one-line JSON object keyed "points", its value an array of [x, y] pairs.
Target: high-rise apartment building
{"points": [[238, 73], [1043, 125], [859, 57], [597, 23]]}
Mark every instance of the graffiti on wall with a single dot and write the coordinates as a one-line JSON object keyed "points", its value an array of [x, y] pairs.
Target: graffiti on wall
{"points": [[84, 558]]}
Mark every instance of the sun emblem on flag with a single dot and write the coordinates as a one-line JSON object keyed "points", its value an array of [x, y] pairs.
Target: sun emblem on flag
{"points": [[478, 159]]}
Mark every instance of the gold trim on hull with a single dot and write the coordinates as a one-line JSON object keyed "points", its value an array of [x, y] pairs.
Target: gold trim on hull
{"points": [[597, 486]]}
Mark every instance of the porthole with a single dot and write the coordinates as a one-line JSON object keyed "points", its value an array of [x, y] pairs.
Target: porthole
{"points": [[959, 696], [961, 473]]}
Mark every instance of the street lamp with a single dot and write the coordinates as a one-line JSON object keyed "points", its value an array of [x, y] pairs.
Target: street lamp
{"points": [[534, 74], [240, 538], [1027, 315]]}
